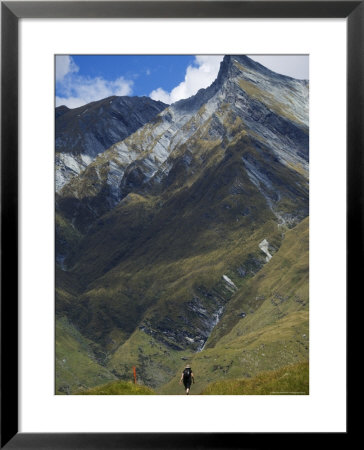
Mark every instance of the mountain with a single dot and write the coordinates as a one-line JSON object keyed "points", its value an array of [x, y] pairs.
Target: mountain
{"points": [[60, 110], [178, 240], [85, 132], [270, 109]]}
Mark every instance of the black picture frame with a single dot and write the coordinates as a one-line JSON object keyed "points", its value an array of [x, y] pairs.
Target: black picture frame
{"points": [[11, 12]]}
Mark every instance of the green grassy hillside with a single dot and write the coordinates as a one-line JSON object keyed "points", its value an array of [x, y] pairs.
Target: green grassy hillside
{"points": [[272, 333], [76, 364], [155, 363], [280, 288], [290, 380], [119, 388], [265, 325]]}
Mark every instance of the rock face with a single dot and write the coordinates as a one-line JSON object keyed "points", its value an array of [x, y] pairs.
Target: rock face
{"points": [[161, 231], [85, 132]]}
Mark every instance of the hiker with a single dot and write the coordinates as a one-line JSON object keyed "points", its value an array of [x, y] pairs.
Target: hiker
{"points": [[187, 377]]}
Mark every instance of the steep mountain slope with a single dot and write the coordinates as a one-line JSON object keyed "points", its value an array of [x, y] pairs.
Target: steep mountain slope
{"points": [[76, 365], [85, 132], [265, 324], [176, 222]]}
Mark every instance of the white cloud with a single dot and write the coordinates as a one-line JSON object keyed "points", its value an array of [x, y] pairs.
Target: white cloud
{"points": [[161, 95], [77, 90], [64, 66], [197, 76], [296, 66]]}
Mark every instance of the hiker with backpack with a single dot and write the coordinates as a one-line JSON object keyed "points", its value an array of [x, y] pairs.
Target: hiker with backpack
{"points": [[187, 377]]}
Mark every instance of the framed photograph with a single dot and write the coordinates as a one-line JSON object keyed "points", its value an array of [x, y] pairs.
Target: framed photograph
{"points": [[165, 248]]}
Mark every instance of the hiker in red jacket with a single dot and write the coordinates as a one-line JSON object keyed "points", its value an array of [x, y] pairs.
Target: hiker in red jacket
{"points": [[187, 377]]}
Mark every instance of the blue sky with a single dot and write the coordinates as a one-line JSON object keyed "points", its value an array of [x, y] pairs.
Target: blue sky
{"points": [[81, 79], [147, 71]]}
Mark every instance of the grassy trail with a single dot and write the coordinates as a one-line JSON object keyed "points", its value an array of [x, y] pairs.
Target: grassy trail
{"points": [[289, 380]]}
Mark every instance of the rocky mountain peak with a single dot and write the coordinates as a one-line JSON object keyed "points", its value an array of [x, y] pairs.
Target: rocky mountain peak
{"points": [[245, 99], [232, 69]]}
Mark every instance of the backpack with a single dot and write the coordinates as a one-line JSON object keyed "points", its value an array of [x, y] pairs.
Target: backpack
{"points": [[187, 374]]}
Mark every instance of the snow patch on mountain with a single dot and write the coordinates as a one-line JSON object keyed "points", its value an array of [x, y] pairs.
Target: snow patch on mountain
{"points": [[264, 245], [229, 282]]}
